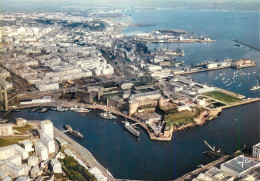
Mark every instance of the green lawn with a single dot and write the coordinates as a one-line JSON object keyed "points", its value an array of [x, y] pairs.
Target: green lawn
{"points": [[75, 171], [179, 117], [222, 97], [9, 141], [23, 129]]}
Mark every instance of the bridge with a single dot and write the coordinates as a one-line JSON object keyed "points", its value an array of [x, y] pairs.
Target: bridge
{"points": [[247, 45]]}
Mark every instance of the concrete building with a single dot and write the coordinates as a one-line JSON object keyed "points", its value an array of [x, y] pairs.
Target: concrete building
{"points": [[11, 150], [239, 166], [13, 167], [55, 166], [6, 129], [252, 176], [47, 87], [7, 178], [21, 122], [47, 127], [69, 153], [256, 151], [35, 171], [145, 95], [23, 178], [33, 161], [98, 174], [48, 142], [36, 101], [41, 151], [27, 145]]}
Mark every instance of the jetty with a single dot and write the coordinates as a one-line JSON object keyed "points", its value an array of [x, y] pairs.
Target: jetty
{"points": [[247, 45]]}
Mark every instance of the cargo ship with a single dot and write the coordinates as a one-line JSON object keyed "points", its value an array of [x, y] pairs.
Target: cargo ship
{"points": [[130, 128], [74, 133], [106, 115]]}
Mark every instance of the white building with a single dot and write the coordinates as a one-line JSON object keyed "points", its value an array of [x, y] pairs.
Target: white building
{"points": [[6, 129], [11, 150], [37, 101], [256, 151], [33, 161], [23, 178], [239, 166], [47, 87], [212, 65], [41, 151], [56, 166], [27, 145], [47, 127], [98, 174], [13, 167], [48, 142]]}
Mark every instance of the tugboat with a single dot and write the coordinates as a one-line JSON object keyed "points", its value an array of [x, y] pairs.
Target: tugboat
{"points": [[214, 153], [77, 134], [106, 115], [130, 128]]}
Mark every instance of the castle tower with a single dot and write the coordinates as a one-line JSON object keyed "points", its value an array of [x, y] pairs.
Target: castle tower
{"points": [[132, 107], [160, 102]]}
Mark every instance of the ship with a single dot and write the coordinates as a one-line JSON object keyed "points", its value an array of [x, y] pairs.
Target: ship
{"points": [[130, 128], [214, 151], [75, 133], [79, 109], [257, 86], [106, 115]]}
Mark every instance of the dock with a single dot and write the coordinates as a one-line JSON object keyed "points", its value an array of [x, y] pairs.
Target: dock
{"points": [[247, 45], [194, 173]]}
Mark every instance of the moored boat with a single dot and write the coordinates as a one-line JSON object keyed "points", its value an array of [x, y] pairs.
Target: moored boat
{"points": [[130, 128], [75, 133], [106, 115]]}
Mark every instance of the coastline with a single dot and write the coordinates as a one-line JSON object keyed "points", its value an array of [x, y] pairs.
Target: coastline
{"points": [[202, 120]]}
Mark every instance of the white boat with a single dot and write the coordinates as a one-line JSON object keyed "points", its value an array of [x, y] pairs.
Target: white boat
{"points": [[257, 86], [107, 115], [79, 109]]}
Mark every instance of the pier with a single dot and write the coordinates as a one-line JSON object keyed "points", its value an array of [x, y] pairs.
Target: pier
{"points": [[247, 45]]}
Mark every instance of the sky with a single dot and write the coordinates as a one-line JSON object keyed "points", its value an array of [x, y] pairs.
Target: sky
{"points": [[133, 3]]}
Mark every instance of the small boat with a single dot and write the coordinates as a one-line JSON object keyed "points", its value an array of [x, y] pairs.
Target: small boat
{"points": [[130, 128], [43, 110], [106, 115], [16, 110]]}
